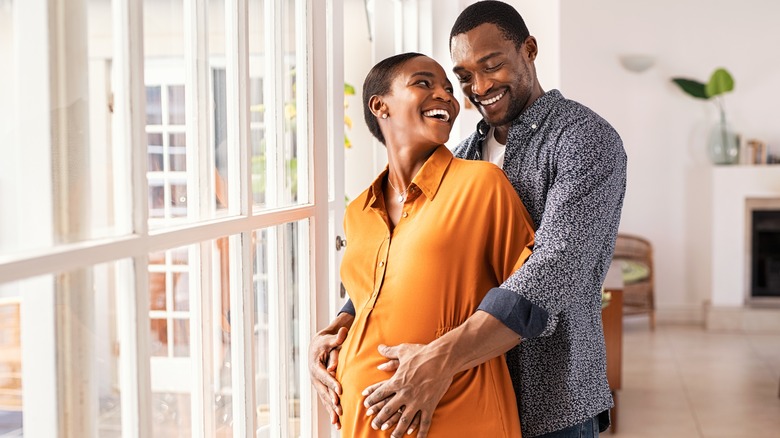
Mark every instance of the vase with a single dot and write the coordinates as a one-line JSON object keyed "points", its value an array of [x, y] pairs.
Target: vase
{"points": [[723, 143]]}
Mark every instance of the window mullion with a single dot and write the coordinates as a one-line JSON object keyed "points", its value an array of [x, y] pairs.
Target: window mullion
{"points": [[237, 86], [240, 202], [277, 333], [242, 323], [200, 204], [130, 146]]}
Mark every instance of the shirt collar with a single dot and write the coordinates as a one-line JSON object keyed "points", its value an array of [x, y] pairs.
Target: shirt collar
{"points": [[428, 179], [530, 118]]}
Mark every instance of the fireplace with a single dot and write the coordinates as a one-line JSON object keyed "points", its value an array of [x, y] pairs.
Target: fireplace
{"points": [[765, 254]]}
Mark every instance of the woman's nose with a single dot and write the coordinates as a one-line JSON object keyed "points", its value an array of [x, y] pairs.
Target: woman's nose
{"points": [[442, 93]]}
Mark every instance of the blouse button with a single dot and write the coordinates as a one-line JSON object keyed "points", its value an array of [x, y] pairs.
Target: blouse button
{"points": [[382, 263], [405, 214]]}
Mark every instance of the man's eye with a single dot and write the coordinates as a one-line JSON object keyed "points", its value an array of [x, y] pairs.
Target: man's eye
{"points": [[493, 68], [464, 79]]}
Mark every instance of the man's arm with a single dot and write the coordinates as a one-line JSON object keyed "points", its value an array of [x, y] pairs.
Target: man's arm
{"points": [[323, 359]]}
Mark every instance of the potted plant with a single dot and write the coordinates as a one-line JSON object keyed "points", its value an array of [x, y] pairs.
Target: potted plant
{"points": [[723, 142]]}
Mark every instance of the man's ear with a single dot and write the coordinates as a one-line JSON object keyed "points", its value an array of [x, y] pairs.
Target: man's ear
{"points": [[530, 48], [376, 105]]}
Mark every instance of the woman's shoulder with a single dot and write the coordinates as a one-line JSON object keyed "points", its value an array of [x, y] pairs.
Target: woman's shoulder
{"points": [[480, 172]]}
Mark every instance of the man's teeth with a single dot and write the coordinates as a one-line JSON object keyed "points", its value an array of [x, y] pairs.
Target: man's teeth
{"points": [[491, 101], [439, 113]]}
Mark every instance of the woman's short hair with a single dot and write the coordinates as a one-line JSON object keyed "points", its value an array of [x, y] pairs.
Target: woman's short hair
{"points": [[378, 83], [502, 15]]}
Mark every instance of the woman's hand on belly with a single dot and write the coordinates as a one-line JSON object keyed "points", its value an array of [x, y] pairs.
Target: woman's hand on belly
{"points": [[418, 400], [323, 359]]}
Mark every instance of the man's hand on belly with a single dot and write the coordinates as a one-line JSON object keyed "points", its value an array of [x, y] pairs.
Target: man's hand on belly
{"points": [[408, 398], [425, 372]]}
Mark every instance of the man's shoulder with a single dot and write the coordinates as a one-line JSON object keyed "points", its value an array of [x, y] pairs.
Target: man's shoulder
{"points": [[571, 113], [463, 149]]}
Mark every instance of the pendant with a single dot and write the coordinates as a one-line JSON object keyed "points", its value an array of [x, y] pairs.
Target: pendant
{"points": [[401, 199]]}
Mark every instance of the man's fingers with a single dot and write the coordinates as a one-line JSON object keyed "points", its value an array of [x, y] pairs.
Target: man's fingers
{"points": [[392, 421], [390, 365], [425, 425], [390, 352], [372, 410], [403, 421], [385, 414], [414, 424]]}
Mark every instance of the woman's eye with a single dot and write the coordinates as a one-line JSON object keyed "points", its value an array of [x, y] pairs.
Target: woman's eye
{"points": [[450, 90], [423, 82]]}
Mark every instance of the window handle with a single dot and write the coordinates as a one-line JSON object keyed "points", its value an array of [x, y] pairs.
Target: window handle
{"points": [[340, 243]]}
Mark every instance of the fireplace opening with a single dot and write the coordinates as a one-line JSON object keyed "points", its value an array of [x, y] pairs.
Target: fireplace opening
{"points": [[765, 254]]}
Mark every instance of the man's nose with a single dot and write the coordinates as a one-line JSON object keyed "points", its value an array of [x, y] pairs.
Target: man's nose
{"points": [[481, 85]]}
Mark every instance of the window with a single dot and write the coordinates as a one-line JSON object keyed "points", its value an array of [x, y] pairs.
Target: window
{"points": [[166, 218]]}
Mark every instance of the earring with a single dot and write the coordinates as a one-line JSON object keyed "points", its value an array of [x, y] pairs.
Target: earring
{"points": [[384, 115]]}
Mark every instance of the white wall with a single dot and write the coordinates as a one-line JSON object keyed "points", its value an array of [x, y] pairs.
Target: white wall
{"points": [[669, 196]]}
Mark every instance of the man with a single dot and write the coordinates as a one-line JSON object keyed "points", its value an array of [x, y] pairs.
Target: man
{"points": [[568, 166]]}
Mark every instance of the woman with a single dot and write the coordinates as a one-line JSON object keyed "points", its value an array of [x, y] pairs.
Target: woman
{"points": [[427, 240]]}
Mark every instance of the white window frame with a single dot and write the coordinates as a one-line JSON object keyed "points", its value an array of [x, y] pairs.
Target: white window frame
{"points": [[319, 48]]}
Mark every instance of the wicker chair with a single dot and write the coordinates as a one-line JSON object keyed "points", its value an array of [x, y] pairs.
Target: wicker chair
{"points": [[636, 253]]}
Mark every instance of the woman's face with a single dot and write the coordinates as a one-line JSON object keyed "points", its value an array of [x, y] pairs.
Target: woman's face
{"points": [[420, 106]]}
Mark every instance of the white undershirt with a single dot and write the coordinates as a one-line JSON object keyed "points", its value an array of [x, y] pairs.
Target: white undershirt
{"points": [[492, 150]]}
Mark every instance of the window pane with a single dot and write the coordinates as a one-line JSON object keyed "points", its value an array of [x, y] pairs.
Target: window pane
{"points": [[174, 288], [96, 331], [67, 167], [8, 134], [281, 274], [257, 109], [169, 302], [10, 361], [294, 149], [166, 112]]}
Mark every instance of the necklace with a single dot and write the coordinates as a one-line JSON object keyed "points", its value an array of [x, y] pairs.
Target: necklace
{"points": [[401, 195]]}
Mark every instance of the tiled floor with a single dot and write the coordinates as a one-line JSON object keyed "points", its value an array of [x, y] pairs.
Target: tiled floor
{"points": [[685, 382]]}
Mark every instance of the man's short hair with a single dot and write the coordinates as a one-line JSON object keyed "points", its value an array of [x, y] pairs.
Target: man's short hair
{"points": [[502, 15]]}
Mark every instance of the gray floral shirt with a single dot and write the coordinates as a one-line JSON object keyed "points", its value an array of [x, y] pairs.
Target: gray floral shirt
{"points": [[568, 166]]}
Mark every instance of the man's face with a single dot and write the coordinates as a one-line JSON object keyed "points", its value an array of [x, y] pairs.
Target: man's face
{"points": [[496, 76]]}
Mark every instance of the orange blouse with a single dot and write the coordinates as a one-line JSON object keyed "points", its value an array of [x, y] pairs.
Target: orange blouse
{"points": [[463, 231]]}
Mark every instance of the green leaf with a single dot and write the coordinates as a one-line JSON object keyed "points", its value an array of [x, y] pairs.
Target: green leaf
{"points": [[692, 88], [349, 90], [720, 82]]}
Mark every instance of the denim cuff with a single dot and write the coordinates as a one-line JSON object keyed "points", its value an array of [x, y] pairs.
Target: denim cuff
{"points": [[522, 316], [348, 308]]}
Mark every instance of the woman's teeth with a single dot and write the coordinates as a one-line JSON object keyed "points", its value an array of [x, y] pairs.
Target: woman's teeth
{"points": [[438, 113]]}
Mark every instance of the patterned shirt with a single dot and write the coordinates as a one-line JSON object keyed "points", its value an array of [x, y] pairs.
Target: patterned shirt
{"points": [[568, 166]]}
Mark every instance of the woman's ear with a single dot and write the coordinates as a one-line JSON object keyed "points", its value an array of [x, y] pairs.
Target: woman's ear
{"points": [[376, 106]]}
